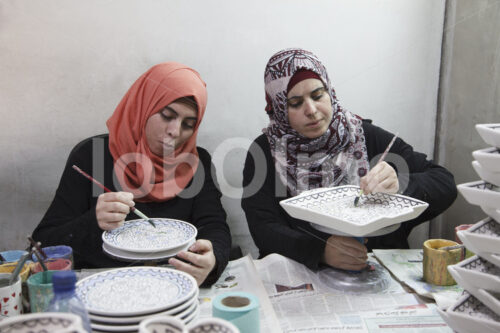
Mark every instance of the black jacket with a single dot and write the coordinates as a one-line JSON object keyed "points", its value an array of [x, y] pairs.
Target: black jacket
{"points": [[274, 231], [71, 218]]}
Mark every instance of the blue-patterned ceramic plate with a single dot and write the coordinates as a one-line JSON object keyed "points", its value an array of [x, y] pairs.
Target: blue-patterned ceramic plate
{"points": [[140, 236], [334, 208], [135, 291]]}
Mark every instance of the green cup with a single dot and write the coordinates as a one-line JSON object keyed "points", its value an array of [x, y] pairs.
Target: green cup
{"points": [[40, 290]]}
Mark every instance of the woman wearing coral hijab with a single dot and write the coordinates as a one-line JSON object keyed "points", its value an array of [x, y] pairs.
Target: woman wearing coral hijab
{"points": [[312, 142], [150, 161]]}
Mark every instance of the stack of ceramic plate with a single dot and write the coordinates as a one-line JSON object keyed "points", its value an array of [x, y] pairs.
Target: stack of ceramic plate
{"points": [[118, 300], [332, 210], [479, 309], [138, 240]]}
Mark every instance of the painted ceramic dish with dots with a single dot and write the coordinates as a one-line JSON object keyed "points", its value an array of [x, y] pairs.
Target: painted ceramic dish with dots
{"points": [[140, 236], [490, 133], [134, 291], [334, 211]]}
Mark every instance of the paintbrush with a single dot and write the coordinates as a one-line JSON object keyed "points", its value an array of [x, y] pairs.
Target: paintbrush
{"points": [[19, 267], [38, 246], [356, 200], [132, 209]]}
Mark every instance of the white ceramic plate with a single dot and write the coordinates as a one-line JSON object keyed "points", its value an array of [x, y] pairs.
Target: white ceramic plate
{"points": [[492, 212], [134, 327], [478, 273], [484, 236], [489, 158], [155, 256], [468, 314], [486, 175], [192, 316], [379, 232], [134, 291], [334, 208], [42, 322], [494, 258], [136, 319], [141, 237], [481, 193], [490, 133]]}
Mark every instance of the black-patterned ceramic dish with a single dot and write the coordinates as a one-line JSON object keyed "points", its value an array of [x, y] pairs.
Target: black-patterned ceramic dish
{"points": [[484, 236], [334, 208], [468, 314], [490, 133], [489, 158], [42, 323], [486, 175], [481, 193]]}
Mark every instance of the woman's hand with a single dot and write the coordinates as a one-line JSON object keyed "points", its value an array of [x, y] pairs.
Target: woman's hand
{"points": [[112, 208], [382, 178], [201, 260], [345, 253]]}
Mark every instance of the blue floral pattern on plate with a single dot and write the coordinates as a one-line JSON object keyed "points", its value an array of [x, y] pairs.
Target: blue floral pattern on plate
{"points": [[141, 237], [135, 290]]}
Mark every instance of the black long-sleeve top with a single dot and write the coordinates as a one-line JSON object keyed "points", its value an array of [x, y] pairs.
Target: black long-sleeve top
{"points": [[71, 218], [274, 231]]}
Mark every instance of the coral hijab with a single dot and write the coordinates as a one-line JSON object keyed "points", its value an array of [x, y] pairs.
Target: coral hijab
{"points": [[149, 177]]}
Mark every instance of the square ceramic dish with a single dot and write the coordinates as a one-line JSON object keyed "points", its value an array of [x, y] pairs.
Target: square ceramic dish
{"points": [[478, 273], [481, 279], [490, 133], [468, 314], [486, 175], [492, 212], [489, 158], [334, 208], [484, 236], [481, 193]]}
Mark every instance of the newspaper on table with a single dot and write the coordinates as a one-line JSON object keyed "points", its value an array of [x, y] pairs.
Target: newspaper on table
{"points": [[304, 302], [241, 275], [406, 265]]}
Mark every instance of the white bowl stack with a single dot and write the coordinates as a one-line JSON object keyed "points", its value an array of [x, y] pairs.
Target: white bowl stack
{"points": [[478, 310], [118, 300]]}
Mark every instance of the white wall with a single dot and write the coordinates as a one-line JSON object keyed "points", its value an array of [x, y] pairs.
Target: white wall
{"points": [[64, 66]]}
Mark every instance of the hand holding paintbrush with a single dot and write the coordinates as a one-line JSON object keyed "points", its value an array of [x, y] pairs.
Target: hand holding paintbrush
{"points": [[132, 209], [386, 174]]}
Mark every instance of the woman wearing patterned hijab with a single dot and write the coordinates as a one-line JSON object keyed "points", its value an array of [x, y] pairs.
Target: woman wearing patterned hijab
{"points": [[312, 142], [149, 160]]}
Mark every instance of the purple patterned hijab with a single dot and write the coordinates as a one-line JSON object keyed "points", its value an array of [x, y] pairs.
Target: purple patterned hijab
{"points": [[338, 157]]}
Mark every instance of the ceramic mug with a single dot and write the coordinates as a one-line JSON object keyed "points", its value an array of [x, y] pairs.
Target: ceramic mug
{"points": [[9, 268], [53, 265], [56, 252], [10, 296], [40, 290], [169, 324], [436, 261]]}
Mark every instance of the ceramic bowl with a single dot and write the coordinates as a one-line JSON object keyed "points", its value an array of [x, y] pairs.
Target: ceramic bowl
{"points": [[489, 176], [481, 193], [13, 255], [490, 133], [54, 322], [468, 314], [489, 158], [174, 325]]}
